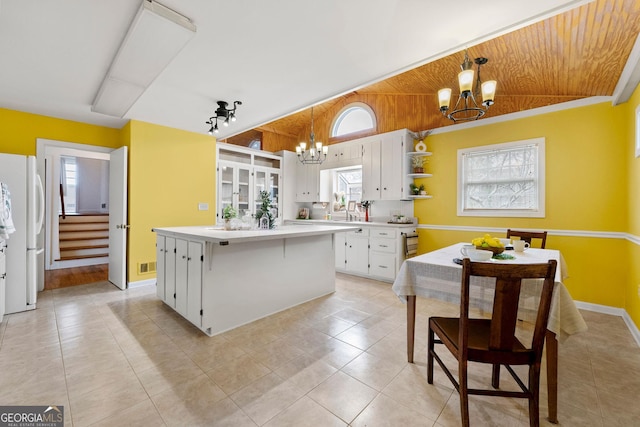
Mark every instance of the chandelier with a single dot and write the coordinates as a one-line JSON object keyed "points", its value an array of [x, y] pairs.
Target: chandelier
{"points": [[316, 154], [466, 108], [222, 112]]}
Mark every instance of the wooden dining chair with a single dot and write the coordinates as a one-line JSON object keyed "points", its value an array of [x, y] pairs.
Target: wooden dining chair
{"points": [[528, 235], [493, 340]]}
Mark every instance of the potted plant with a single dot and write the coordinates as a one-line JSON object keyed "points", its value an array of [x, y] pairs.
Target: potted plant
{"points": [[228, 213], [415, 190], [422, 191], [264, 215], [417, 162]]}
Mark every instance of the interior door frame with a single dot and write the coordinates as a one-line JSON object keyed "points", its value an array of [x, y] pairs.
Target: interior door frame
{"points": [[43, 149]]}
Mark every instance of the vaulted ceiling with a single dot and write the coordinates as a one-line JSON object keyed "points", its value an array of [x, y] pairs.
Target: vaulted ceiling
{"points": [[281, 58], [575, 55]]}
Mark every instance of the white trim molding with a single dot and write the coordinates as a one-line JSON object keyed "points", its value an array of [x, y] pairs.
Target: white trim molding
{"points": [[613, 311], [141, 283], [571, 233]]}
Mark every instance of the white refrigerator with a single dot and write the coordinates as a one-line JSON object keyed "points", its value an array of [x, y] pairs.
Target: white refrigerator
{"points": [[23, 266]]}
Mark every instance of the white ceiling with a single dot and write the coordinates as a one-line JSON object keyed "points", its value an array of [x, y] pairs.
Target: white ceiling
{"points": [[277, 57]]}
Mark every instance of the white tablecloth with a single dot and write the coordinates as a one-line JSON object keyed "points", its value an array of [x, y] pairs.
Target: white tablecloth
{"points": [[435, 275]]}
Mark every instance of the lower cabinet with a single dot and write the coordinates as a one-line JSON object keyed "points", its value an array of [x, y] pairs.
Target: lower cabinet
{"points": [[352, 251], [376, 252], [384, 252], [179, 276]]}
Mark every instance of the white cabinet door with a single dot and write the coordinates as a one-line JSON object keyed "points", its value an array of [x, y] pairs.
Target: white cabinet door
{"points": [[234, 187], [160, 273], [267, 179], [194, 283], [371, 169], [182, 252], [170, 271], [391, 160], [357, 254], [307, 185], [340, 243]]}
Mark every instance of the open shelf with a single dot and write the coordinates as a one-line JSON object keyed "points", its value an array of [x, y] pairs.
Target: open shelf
{"points": [[428, 196], [420, 175]]}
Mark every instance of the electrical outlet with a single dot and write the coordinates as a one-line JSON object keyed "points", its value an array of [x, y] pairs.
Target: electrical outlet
{"points": [[203, 206]]}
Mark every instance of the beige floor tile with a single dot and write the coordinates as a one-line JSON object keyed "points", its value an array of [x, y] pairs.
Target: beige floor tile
{"points": [[410, 388], [106, 400], [235, 374], [275, 354], [101, 352], [142, 414], [386, 412], [265, 398], [343, 395], [191, 403], [305, 413], [306, 372], [374, 371], [169, 374]]}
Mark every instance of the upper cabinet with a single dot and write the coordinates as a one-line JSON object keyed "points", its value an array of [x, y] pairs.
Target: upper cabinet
{"points": [[383, 165], [242, 174], [343, 154], [307, 182]]}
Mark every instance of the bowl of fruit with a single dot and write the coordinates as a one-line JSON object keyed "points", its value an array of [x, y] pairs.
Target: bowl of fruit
{"points": [[488, 243]]}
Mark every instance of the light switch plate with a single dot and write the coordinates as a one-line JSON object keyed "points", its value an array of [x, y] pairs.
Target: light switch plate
{"points": [[203, 206]]}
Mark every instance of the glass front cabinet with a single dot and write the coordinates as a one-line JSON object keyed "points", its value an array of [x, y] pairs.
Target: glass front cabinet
{"points": [[242, 174]]}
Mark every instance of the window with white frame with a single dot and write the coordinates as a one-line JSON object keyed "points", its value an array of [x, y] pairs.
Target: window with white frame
{"points": [[503, 180], [355, 117]]}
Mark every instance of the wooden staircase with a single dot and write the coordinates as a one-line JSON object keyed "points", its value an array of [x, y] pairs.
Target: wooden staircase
{"points": [[83, 236]]}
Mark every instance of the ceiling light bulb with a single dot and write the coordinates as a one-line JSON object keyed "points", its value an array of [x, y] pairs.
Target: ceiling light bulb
{"points": [[444, 98], [303, 146], [488, 92], [465, 80]]}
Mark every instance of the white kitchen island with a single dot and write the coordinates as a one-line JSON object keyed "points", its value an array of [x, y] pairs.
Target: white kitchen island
{"points": [[219, 279]]}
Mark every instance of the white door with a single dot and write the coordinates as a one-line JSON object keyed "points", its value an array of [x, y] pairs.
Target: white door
{"points": [[118, 217]]}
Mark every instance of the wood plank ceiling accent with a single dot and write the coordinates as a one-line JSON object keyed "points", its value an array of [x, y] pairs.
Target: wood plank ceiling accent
{"points": [[575, 55]]}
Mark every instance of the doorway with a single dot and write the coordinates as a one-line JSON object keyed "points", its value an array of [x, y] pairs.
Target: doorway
{"points": [[83, 258]]}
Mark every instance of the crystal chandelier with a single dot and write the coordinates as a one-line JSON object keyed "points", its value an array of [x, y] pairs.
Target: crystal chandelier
{"points": [[466, 108], [316, 154]]}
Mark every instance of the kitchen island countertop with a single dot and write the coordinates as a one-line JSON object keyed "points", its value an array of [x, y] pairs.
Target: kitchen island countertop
{"points": [[219, 234]]}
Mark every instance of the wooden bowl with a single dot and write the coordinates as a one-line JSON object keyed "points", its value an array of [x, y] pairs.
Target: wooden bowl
{"points": [[495, 251]]}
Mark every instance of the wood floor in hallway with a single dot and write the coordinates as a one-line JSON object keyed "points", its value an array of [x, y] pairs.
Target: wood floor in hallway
{"points": [[65, 277]]}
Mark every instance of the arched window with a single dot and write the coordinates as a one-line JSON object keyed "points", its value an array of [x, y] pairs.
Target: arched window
{"points": [[355, 117]]}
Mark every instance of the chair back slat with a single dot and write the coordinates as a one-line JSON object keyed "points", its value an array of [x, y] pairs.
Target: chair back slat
{"points": [[509, 281]]}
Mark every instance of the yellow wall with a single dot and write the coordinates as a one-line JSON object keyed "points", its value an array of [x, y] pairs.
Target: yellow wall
{"points": [[586, 191], [20, 130], [632, 290], [170, 172]]}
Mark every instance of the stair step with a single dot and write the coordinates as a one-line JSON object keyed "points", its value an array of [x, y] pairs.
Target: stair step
{"points": [[84, 242], [77, 248], [86, 236], [79, 219], [69, 258]]}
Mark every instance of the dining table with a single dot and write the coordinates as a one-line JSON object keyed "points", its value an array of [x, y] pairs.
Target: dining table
{"points": [[436, 275]]}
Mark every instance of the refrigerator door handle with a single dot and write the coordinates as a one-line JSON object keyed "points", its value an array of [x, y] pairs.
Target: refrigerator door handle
{"points": [[40, 188]]}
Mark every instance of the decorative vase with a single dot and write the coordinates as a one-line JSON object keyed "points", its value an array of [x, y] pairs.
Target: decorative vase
{"points": [[418, 170], [227, 224], [366, 215], [423, 193]]}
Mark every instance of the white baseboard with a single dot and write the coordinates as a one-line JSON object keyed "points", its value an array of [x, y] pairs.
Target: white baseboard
{"points": [[597, 308], [141, 283]]}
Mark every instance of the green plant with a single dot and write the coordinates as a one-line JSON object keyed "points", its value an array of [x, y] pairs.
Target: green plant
{"points": [[265, 209], [415, 189], [417, 161], [229, 212]]}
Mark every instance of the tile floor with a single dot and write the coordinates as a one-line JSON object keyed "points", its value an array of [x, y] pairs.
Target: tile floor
{"points": [[116, 358]]}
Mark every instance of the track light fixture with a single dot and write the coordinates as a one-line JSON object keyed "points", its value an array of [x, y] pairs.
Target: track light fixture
{"points": [[222, 112]]}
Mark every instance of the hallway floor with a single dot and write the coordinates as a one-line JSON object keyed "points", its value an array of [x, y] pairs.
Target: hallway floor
{"points": [[115, 358]]}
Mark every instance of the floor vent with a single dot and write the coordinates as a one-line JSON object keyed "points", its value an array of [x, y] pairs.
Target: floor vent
{"points": [[147, 267]]}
